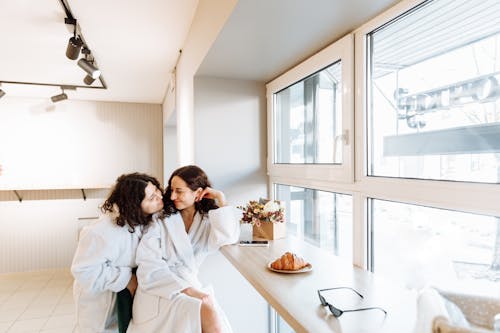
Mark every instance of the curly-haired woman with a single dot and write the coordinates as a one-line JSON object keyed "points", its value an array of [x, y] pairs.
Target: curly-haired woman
{"points": [[196, 222], [105, 256]]}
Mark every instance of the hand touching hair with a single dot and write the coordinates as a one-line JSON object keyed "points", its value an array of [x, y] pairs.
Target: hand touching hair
{"points": [[195, 178]]}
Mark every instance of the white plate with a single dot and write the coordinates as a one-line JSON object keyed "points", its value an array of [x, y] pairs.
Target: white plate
{"points": [[307, 268]]}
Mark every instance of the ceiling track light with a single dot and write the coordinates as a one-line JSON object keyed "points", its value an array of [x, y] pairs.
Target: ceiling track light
{"points": [[60, 97], [89, 67], [88, 80], [73, 48], [77, 45]]}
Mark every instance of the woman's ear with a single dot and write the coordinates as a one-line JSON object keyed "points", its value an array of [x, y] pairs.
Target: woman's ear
{"points": [[198, 194]]}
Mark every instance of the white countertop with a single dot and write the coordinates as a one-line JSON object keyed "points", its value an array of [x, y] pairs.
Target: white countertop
{"points": [[295, 298]]}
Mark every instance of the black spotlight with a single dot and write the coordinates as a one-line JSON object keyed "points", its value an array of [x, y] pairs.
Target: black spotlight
{"points": [[89, 67], [73, 49], [60, 97], [88, 80]]}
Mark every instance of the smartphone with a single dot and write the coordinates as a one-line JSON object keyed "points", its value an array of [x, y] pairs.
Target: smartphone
{"points": [[254, 243]]}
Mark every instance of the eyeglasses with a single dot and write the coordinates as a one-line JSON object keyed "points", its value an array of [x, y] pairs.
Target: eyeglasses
{"points": [[336, 311]]}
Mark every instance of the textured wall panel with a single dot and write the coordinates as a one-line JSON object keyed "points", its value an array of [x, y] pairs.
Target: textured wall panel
{"points": [[41, 234], [76, 144]]}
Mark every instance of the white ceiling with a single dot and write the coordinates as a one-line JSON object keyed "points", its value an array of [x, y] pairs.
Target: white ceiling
{"points": [[263, 38], [135, 44]]}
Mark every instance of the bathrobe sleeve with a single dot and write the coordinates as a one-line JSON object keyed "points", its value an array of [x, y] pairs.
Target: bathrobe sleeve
{"points": [[92, 264], [224, 227], [219, 228], [153, 273]]}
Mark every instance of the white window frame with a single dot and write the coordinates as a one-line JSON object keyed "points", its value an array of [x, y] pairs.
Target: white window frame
{"points": [[469, 197], [461, 196], [474, 198], [341, 50]]}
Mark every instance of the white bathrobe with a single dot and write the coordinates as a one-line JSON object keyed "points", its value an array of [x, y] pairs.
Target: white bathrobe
{"points": [[169, 259], [102, 266]]}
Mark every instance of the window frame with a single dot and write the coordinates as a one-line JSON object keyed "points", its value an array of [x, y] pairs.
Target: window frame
{"points": [[478, 198], [342, 50], [434, 193]]}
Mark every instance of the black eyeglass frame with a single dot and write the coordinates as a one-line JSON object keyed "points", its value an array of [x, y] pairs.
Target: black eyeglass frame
{"points": [[336, 312]]}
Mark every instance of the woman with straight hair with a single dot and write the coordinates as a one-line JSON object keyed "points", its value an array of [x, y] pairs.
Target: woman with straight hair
{"points": [[105, 257], [196, 222]]}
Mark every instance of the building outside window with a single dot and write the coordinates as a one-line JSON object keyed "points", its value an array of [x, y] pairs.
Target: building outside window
{"points": [[435, 93], [434, 113]]}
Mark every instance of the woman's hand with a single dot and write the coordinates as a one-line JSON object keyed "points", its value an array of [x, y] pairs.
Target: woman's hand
{"points": [[190, 291], [211, 193], [132, 285], [210, 321]]}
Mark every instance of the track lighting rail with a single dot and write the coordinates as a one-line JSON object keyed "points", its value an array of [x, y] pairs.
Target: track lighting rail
{"points": [[87, 63], [69, 16], [65, 86]]}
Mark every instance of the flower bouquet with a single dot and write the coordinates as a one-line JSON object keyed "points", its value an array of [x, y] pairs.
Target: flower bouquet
{"points": [[266, 216]]}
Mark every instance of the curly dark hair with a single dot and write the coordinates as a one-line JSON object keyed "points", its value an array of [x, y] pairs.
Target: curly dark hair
{"points": [[195, 178], [127, 195]]}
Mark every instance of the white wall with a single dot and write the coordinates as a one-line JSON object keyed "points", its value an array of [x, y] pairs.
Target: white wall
{"points": [[169, 151], [76, 144], [170, 159], [230, 136], [209, 19], [245, 309], [230, 145]]}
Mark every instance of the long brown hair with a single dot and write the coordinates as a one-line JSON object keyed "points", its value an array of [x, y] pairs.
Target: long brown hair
{"points": [[127, 195], [195, 178]]}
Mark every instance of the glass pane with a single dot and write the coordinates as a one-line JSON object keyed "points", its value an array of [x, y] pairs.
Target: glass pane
{"points": [[428, 246], [434, 87], [323, 219], [283, 327], [308, 119]]}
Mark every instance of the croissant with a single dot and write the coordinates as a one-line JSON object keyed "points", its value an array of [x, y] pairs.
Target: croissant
{"points": [[289, 262]]}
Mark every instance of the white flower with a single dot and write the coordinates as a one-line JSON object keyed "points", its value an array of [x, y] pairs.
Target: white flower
{"points": [[271, 207]]}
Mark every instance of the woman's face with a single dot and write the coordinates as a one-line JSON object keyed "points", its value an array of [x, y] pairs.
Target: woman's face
{"points": [[182, 196], [152, 201]]}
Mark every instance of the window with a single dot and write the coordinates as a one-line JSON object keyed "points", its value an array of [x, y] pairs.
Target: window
{"points": [[311, 117], [434, 87], [420, 200], [424, 205], [309, 120], [443, 248], [321, 218], [428, 110]]}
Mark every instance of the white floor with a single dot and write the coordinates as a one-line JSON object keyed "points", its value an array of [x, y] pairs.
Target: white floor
{"points": [[37, 302]]}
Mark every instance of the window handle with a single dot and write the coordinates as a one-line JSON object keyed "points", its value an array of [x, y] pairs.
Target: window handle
{"points": [[344, 137]]}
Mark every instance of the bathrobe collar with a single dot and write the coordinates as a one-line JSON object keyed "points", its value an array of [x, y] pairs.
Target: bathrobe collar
{"points": [[181, 240]]}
